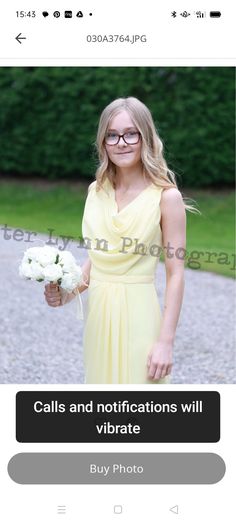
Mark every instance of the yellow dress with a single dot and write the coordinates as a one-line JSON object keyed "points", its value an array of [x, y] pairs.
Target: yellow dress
{"points": [[123, 316]]}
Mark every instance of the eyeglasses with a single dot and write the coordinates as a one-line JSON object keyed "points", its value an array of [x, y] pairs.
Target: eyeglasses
{"points": [[130, 138]]}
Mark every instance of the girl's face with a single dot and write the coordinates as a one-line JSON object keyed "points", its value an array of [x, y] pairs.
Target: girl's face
{"points": [[123, 154]]}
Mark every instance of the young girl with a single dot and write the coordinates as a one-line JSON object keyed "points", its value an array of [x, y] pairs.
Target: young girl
{"points": [[133, 211]]}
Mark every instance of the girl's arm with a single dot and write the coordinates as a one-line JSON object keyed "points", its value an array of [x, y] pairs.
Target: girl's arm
{"points": [[173, 224]]}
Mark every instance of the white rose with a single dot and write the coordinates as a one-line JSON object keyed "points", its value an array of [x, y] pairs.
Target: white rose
{"points": [[72, 279], [32, 271], [36, 271], [47, 255], [25, 270], [32, 253], [67, 282], [66, 259], [43, 255], [52, 272], [68, 267]]}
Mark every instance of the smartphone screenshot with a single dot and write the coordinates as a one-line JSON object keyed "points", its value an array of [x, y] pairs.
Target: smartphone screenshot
{"points": [[117, 262]]}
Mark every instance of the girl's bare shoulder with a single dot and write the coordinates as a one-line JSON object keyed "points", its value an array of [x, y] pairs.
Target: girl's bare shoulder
{"points": [[172, 203], [171, 195]]}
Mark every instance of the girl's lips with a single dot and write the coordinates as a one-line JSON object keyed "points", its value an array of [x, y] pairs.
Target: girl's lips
{"points": [[124, 153]]}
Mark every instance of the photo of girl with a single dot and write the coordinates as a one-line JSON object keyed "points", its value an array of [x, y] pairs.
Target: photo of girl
{"points": [[134, 196], [119, 182]]}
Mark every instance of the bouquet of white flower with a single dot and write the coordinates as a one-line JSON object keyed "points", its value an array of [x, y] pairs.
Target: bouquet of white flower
{"points": [[52, 265]]}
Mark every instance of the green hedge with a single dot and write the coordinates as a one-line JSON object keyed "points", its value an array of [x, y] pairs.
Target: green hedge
{"points": [[49, 117]]}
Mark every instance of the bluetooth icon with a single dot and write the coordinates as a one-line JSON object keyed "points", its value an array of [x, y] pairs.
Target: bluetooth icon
{"points": [[174, 14]]}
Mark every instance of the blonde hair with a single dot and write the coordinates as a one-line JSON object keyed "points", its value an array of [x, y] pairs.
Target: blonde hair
{"points": [[154, 165]]}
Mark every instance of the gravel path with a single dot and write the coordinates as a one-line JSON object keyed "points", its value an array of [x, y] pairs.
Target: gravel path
{"points": [[39, 344]]}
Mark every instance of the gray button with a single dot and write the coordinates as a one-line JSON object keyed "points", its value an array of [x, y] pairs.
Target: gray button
{"points": [[116, 468]]}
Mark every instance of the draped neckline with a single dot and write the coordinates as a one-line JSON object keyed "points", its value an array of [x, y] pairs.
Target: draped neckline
{"points": [[113, 194]]}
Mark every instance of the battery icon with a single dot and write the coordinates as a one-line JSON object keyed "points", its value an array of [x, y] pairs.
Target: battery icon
{"points": [[215, 14]]}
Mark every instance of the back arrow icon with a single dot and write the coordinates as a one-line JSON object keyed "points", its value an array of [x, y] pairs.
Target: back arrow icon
{"points": [[19, 38], [175, 510]]}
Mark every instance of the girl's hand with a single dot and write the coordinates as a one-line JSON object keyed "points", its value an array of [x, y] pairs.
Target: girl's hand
{"points": [[52, 295], [159, 361]]}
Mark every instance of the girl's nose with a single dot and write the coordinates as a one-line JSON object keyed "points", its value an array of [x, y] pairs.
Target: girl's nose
{"points": [[121, 143]]}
